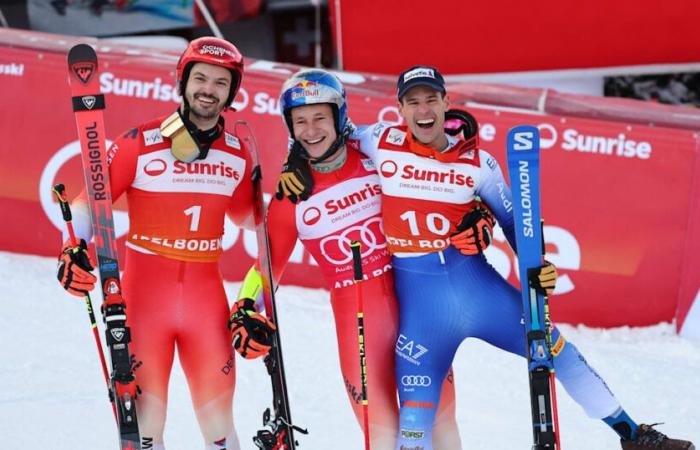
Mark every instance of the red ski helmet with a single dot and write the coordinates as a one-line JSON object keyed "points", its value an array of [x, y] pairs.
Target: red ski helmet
{"points": [[214, 51]]}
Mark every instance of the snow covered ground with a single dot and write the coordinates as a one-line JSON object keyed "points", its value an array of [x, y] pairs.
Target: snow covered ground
{"points": [[53, 396]]}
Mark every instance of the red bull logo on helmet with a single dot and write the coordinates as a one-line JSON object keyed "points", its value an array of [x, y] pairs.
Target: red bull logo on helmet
{"points": [[305, 88], [303, 84]]}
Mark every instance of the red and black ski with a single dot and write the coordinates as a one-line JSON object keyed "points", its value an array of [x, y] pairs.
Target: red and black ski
{"points": [[88, 104], [278, 431]]}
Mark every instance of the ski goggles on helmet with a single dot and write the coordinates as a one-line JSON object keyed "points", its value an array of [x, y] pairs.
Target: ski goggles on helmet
{"points": [[461, 121]]}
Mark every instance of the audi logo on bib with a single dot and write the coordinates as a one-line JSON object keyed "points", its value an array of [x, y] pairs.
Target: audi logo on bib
{"points": [[389, 169], [336, 247], [416, 380]]}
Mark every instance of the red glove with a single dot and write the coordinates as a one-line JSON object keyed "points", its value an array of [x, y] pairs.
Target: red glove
{"points": [[475, 231], [251, 331], [74, 266]]}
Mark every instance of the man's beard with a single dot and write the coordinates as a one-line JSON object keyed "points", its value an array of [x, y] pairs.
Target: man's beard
{"points": [[205, 114]]}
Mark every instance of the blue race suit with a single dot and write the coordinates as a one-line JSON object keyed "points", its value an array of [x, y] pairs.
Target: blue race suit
{"points": [[444, 296]]}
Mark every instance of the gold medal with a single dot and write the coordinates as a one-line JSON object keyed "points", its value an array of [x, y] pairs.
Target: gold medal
{"points": [[182, 145]]}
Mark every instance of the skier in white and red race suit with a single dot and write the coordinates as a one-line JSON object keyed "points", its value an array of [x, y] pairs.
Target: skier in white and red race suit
{"points": [[182, 175], [344, 206], [432, 183]]}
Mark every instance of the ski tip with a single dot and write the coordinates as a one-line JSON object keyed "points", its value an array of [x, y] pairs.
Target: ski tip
{"points": [[81, 52], [82, 62], [524, 138]]}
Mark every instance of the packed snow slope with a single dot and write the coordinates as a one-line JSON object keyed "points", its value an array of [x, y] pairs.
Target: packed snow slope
{"points": [[53, 395]]}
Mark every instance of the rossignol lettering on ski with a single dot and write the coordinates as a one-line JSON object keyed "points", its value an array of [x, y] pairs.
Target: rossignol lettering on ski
{"points": [[523, 148], [278, 430], [88, 104]]}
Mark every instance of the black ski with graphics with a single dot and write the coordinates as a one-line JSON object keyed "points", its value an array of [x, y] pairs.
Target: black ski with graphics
{"points": [[278, 431]]}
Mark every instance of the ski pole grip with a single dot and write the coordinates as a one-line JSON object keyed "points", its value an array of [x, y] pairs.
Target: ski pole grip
{"points": [[356, 247], [60, 191]]}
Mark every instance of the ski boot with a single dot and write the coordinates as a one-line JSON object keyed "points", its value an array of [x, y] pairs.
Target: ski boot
{"points": [[649, 438]]}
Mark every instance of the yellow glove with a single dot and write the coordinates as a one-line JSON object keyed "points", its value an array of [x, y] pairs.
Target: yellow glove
{"points": [[544, 278]]}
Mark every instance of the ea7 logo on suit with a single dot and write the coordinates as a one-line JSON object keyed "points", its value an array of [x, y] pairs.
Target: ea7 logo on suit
{"points": [[523, 140]]}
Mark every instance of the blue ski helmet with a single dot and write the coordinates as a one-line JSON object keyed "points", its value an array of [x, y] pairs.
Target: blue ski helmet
{"points": [[310, 87]]}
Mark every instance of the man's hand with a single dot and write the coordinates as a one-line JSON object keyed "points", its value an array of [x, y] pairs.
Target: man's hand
{"points": [[474, 232], [74, 267], [544, 278], [296, 182], [251, 331]]}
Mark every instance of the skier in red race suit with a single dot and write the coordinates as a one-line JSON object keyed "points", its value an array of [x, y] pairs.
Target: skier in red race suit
{"points": [[182, 175], [345, 205]]}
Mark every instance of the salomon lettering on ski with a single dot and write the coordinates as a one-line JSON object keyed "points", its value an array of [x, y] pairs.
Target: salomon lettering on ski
{"points": [[524, 171], [278, 431], [88, 104]]}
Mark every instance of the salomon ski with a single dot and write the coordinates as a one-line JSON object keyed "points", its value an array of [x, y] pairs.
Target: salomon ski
{"points": [[88, 104], [524, 171], [278, 431]]}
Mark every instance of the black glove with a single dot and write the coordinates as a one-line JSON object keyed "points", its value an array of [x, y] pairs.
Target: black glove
{"points": [[475, 231], [74, 267], [296, 181], [544, 278], [251, 331], [460, 121]]}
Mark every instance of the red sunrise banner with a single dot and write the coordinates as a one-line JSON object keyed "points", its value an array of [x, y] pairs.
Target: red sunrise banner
{"points": [[619, 197]]}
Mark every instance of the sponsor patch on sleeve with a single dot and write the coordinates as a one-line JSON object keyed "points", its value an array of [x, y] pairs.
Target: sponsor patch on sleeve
{"points": [[396, 136], [469, 154], [378, 129], [491, 162], [368, 164], [152, 137], [232, 141]]}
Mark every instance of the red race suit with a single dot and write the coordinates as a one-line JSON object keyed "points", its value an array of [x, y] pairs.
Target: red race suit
{"points": [[345, 206], [172, 284]]}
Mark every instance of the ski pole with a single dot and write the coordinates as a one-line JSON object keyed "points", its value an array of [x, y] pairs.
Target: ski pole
{"points": [[60, 192], [552, 376], [357, 266]]}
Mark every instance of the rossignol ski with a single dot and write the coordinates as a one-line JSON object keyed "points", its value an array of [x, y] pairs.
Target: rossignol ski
{"points": [[524, 171], [88, 104], [278, 430]]}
